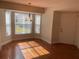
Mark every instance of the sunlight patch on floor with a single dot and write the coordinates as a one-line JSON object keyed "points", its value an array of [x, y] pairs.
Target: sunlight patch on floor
{"points": [[32, 49]]}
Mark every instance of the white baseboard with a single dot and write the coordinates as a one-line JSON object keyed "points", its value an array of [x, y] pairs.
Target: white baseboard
{"points": [[4, 43], [46, 39], [7, 41]]}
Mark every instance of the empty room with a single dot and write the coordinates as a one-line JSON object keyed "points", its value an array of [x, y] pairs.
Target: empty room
{"points": [[39, 29]]}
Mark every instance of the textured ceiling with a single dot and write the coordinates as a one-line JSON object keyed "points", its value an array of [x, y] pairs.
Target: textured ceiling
{"points": [[48, 3]]}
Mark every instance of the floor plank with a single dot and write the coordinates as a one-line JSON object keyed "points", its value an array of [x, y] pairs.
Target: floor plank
{"points": [[38, 49]]}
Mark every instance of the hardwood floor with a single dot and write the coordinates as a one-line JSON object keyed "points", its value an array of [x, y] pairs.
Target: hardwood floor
{"points": [[38, 49]]}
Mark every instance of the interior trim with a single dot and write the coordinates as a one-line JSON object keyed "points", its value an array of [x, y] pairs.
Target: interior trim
{"points": [[21, 7]]}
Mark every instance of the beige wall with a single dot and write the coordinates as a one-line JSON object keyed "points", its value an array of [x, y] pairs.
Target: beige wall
{"points": [[64, 27], [56, 27], [48, 20], [0, 28], [67, 29], [46, 26], [77, 31], [4, 39], [67, 25]]}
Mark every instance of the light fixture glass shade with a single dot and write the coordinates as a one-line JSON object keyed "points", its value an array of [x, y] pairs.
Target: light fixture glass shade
{"points": [[29, 17]]}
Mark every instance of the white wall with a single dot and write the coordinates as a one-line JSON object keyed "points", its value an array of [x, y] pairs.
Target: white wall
{"points": [[69, 28], [0, 26], [47, 24], [4, 39], [77, 31], [47, 20], [67, 25], [46, 29]]}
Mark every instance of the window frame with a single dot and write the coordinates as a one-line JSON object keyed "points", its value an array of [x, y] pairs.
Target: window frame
{"points": [[40, 24], [15, 24], [10, 23]]}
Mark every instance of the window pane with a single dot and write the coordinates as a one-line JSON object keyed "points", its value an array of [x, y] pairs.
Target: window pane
{"points": [[37, 23], [22, 24], [8, 22]]}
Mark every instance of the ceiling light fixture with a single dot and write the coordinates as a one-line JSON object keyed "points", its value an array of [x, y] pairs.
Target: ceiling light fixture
{"points": [[30, 15]]}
